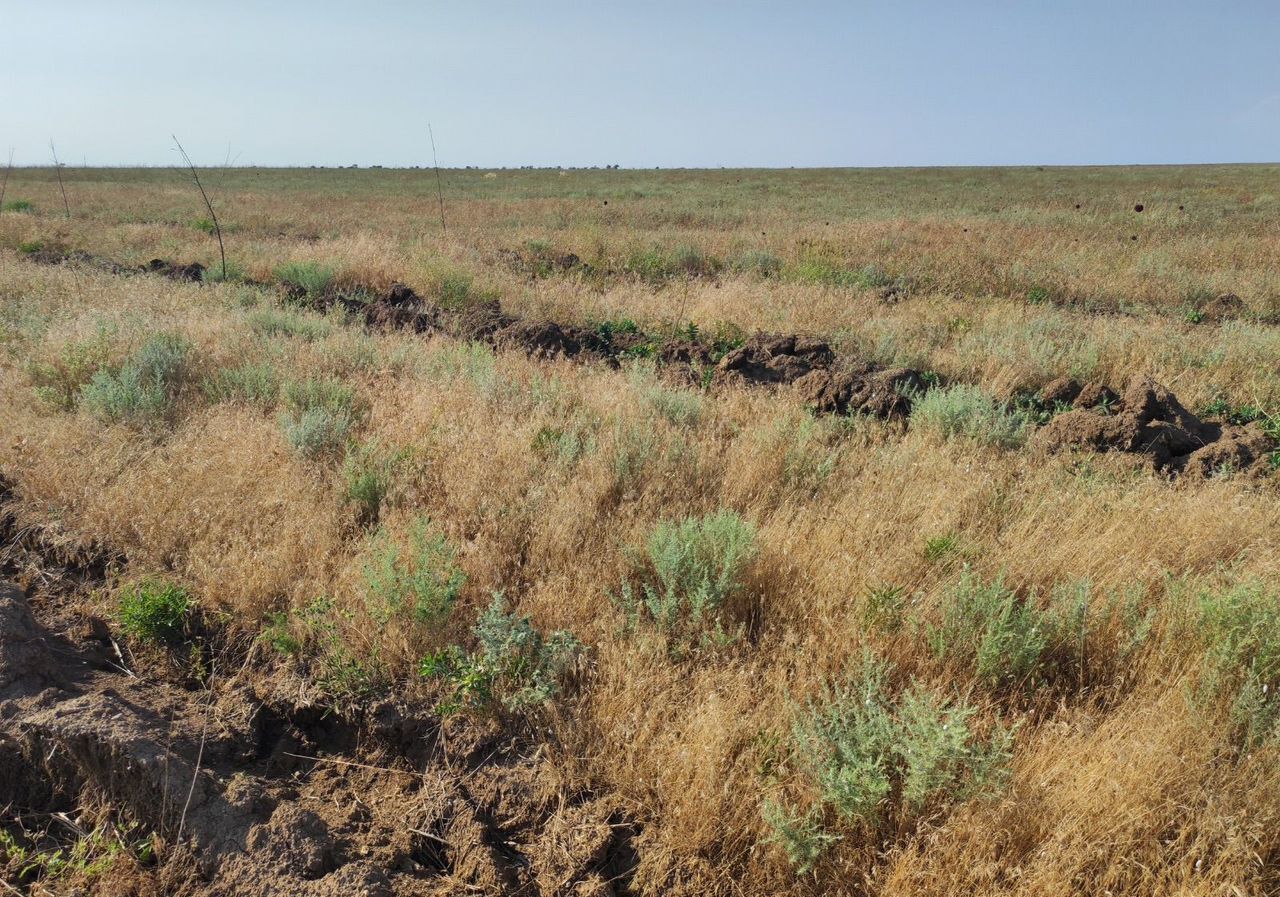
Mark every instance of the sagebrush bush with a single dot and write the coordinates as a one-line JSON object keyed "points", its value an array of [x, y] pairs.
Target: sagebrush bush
{"points": [[319, 416], [758, 262], [880, 762], [419, 586], [969, 411], [800, 835], [681, 407], [987, 626], [214, 274], [155, 611], [316, 432], [278, 322], [1240, 628], [60, 381], [694, 566], [143, 389], [515, 666]]}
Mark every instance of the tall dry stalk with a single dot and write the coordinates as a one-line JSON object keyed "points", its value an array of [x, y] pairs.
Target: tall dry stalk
{"points": [[439, 188], [4, 185], [57, 166], [217, 228]]}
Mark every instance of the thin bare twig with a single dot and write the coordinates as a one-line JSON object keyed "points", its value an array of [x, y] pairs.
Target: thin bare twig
{"points": [[57, 166], [439, 188], [204, 732], [336, 762], [217, 228], [4, 186]]}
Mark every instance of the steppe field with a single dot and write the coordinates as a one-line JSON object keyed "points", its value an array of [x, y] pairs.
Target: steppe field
{"points": [[615, 532]]}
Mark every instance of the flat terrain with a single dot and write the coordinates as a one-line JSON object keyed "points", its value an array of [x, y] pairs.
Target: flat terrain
{"points": [[641, 532]]}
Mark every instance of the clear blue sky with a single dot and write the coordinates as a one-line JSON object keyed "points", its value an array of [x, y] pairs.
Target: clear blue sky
{"points": [[642, 84]]}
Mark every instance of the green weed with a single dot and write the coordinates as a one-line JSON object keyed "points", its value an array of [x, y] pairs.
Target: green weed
{"points": [[313, 278], [515, 666], [252, 383], [155, 611], [419, 586]]}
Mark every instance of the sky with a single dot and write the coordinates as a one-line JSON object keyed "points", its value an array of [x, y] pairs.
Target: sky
{"points": [[641, 84]]}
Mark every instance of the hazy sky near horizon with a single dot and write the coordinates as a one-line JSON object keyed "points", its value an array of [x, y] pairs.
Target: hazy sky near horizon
{"points": [[916, 82]]}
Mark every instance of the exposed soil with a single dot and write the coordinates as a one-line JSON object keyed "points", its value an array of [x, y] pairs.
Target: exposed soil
{"points": [[777, 359], [256, 788], [536, 263], [1150, 422], [1147, 421], [1223, 308]]}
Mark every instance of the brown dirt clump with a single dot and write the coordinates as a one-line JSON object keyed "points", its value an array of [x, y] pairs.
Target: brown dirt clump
{"points": [[1226, 307], [774, 359], [1094, 395], [1244, 449], [400, 308], [541, 339], [1148, 420], [861, 389], [192, 273], [479, 322], [1062, 391]]}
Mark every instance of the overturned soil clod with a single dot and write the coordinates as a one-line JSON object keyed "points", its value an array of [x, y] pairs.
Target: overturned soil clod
{"points": [[258, 794], [1149, 421]]}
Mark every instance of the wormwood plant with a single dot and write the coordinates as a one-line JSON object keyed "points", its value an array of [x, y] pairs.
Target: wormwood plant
{"points": [[1023, 642], [277, 322], [320, 414], [800, 835], [1241, 665], [420, 585], [514, 666], [313, 278], [985, 625], [694, 566], [969, 411], [314, 634], [143, 389], [90, 855], [59, 382], [366, 478], [876, 761], [252, 383]]}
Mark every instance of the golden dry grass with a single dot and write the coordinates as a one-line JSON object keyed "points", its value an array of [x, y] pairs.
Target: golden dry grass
{"points": [[1121, 781]]}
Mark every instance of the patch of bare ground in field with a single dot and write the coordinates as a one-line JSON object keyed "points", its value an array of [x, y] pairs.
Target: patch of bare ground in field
{"points": [[247, 785]]}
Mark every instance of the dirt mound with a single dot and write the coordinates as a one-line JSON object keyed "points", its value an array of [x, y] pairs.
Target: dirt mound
{"points": [[25, 661], [1148, 420], [541, 262], [401, 309], [541, 339], [192, 273], [861, 389], [479, 322], [256, 790], [1226, 307], [771, 358], [1067, 391]]}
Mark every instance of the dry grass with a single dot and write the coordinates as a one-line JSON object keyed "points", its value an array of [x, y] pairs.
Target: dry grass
{"points": [[548, 477]]}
